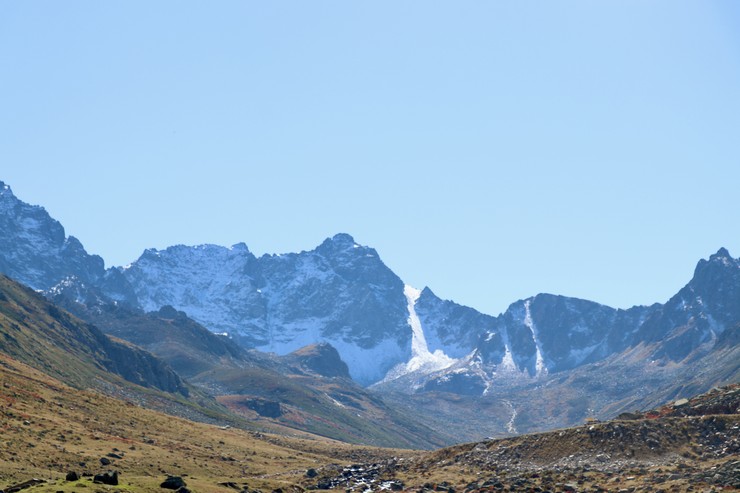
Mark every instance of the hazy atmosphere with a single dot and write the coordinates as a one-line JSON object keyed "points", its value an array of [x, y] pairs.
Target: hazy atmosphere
{"points": [[488, 150]]}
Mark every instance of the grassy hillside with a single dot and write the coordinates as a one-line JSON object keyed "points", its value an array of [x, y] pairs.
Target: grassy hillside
{"points": [[49, 428], [38, 333], [331, 407], [688, 446]]}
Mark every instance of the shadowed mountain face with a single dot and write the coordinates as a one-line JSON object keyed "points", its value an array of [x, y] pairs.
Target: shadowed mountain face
{"points": [[41, 335], [390, 336], [698, 313], [35, 249]]}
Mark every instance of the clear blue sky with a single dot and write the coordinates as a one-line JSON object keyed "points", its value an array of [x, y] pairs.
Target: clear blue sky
{"points": [[490, 150]]}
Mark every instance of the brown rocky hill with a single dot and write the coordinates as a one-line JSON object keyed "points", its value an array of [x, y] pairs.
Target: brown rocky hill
{"points": [[678, 448]]}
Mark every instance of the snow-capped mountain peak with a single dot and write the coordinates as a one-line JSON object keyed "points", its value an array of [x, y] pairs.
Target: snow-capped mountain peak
{"points": [[35, 248]]}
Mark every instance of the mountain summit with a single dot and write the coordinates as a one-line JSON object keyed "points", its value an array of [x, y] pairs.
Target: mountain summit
{"points": [[340, 293], [36, 250]]}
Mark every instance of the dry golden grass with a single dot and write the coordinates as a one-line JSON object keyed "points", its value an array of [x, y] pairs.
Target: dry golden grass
{"points": [[49, 429]]}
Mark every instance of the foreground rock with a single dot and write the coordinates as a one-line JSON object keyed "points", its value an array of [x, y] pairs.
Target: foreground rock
{"points": [[671, 449], [110, 478], [173, 483]]}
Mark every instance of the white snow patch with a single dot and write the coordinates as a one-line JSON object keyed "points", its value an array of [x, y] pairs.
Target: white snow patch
{"points": [[336, 402], [421, 357], [507, 363], [540, 367], [510, 426]]}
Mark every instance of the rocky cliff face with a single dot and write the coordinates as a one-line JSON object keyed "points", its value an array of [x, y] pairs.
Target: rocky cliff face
{"points": [[340, 293], [549, 334], [35, 249], [698, 313]]}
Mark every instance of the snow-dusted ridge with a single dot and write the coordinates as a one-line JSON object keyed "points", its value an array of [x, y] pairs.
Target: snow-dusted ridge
{"points": [[340, 293]]}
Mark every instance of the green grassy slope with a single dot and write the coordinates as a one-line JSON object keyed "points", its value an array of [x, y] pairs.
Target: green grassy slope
{"points": [[43, 336]]}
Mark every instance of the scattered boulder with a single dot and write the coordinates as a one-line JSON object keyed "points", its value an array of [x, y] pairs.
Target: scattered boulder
{"points": [[311, 473], [110, 478], [105, 461], [72, 476], [173, 483]]}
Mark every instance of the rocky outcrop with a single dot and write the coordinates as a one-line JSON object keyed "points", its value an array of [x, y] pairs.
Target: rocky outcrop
{"points": [[109, 478], [141, 367], [321, 358]]}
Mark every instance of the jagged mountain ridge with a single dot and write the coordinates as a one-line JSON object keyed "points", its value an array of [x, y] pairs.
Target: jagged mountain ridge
{"points": [[343, 294], [339, 293], [319, 290], [36, 250], [547, 334]]}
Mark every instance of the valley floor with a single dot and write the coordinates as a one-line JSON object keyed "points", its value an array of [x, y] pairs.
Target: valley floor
{"points": [[49, 429]]}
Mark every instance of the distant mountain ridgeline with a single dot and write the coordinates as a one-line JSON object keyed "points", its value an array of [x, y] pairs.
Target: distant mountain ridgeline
{"points": [[399, 340]]}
